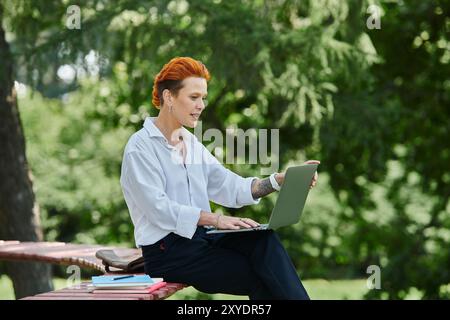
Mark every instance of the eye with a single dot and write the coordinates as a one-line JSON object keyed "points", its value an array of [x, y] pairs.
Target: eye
{"points": [[205, 100]]}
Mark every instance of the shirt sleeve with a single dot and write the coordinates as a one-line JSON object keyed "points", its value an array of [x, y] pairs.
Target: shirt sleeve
{"points": [[226, 187], [145, 181]]}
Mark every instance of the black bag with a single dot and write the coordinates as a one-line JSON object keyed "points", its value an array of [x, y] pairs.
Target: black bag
{"points": [[127, 263]]}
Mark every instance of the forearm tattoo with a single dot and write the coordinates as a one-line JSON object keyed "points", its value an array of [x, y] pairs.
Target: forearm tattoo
{"points": [[261, 188]]}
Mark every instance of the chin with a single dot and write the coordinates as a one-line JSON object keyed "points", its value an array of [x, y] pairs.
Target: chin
{"points": [[191, 124]]}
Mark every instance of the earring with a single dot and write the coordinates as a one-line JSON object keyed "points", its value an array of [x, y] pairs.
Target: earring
{"points": [[170, 108]]}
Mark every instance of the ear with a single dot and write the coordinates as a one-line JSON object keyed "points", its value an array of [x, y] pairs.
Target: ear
{"points": [[167, 96]]}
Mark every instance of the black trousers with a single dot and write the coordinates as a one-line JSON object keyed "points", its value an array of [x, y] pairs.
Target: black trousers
{"points": [[245, 263]]}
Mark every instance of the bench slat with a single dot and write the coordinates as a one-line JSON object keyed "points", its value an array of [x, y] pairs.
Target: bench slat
{"points": [[81, 255]]}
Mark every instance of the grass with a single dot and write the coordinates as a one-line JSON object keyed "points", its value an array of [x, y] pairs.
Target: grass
{"points": [[7, 290], [318, 289]]}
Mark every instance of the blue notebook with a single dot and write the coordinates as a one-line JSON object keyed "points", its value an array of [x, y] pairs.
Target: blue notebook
{"points": [[138, 280]]}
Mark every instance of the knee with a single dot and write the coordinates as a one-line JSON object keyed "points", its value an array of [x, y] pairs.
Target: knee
{"points": [[271, 236], [262, 240]]}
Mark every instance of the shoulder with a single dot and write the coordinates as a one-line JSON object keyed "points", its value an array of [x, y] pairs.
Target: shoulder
{"points": [[139, 141]]}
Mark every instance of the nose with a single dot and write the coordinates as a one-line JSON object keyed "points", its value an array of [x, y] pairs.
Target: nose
{"points": [[200, 105]]}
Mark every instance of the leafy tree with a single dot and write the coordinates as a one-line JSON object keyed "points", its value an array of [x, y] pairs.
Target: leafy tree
{"points": [[414, 77], [336, 90], [19, 216]]}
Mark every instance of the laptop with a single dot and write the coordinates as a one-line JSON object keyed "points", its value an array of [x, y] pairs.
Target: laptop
{"points": [[290, 202]]}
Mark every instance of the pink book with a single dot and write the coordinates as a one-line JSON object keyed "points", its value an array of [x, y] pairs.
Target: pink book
{"points": [[149, 289]]}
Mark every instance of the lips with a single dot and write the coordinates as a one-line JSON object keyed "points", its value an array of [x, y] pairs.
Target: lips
{"points": [[195, 115]]}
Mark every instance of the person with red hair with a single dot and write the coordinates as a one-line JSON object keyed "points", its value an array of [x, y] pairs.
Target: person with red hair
{"points": [[168, 178]]}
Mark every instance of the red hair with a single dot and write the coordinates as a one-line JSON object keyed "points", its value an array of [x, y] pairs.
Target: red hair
{"points": [[173, 73]]}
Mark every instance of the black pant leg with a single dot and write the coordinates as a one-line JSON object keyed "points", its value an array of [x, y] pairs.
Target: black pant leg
{"points": [[207, 268], [269, 259]]}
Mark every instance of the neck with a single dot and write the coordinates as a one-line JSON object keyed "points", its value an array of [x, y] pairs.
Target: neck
{"points": [[167, 124]]}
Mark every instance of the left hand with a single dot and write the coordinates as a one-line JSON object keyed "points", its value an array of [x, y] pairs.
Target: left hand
{"points": [[316, 175], [280, 176]]}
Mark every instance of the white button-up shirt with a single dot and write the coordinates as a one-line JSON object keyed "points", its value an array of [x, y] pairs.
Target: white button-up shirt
{"points": [[165, 195]]}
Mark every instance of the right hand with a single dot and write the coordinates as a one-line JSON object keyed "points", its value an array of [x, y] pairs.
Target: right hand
{"points": [[234, 223]]}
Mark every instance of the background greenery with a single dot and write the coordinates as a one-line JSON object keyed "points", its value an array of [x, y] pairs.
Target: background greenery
{"points": [[372, 105], [318, 290]]}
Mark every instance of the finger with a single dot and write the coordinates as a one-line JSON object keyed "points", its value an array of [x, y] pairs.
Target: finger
{"points": [[244, 224], [252, 223]]}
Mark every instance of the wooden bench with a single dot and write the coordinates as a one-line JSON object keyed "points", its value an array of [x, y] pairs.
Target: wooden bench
{"points": [[84, 292], [81, 255]]}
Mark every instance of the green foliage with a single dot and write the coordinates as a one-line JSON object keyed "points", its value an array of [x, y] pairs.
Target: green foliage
{"points": [[76, 163], [415, 78], [318, 289], [372, 105]]}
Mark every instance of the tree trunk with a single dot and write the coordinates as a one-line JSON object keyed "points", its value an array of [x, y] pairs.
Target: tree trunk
{"points": [[19, 215]]}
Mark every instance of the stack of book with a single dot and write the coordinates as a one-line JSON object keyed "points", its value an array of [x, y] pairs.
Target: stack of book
{"points": [[126, 284]]}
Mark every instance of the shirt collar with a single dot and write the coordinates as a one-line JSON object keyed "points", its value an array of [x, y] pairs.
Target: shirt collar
{"points": [[153, 130]]}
